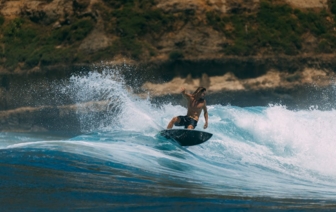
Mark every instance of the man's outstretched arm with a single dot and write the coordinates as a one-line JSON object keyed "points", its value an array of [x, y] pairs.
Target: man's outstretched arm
{"points": [[185, 94]]}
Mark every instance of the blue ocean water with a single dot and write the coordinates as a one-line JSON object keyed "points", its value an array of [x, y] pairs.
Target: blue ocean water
{"points": [[259, 158]]}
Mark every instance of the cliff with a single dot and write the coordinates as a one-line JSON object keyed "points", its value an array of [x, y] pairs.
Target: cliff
{"points": [[41, 33]]}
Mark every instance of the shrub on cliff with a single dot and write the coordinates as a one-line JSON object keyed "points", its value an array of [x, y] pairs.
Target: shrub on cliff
{"points": [[132, 21], [25, 42], [74, 32], [2, 20], [332, 6], [176, 55], [275, 28]]}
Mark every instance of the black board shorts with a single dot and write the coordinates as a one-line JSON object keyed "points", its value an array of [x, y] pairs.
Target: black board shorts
{"points": [[186, 121]]}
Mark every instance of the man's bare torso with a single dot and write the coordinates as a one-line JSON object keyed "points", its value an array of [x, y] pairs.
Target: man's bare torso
{"points": [[195, 108], [196, 104]]}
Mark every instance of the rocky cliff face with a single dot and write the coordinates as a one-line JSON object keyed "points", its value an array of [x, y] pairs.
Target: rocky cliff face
{"points": [[50, 11], [191, 37], [308, 3], [223, 6], [195, 38], [45, 12], [57, 13]]}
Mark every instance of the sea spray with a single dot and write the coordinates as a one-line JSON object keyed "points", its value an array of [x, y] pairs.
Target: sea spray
{"points": [[106, 103]]}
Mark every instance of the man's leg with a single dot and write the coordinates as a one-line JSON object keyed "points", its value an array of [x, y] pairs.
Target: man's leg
{"points": [[190, 127], [192, 124], [172, 122]]}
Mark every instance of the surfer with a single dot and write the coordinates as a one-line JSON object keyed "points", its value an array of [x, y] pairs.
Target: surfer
{"points": [[196, 103]]}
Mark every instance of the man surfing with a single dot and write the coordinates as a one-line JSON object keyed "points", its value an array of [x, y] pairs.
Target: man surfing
{"points": [[196, 104]]}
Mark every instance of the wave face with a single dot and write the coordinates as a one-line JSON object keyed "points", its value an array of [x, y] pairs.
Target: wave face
{"points": [[255, 152]]}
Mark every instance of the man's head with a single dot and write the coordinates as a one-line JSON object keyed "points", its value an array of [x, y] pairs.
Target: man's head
{"points": [[199, 93]]}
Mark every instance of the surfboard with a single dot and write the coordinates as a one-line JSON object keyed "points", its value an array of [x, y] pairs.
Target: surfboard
{"points": [[186, 137]]}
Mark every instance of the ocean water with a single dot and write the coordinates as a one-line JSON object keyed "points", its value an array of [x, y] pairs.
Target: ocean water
{"points": [[259, 158]]}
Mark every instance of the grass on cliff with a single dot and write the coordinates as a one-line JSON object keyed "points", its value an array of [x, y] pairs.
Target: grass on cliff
{"points": [[130, 21], [275, 28], [2, 20], [30, 44]]}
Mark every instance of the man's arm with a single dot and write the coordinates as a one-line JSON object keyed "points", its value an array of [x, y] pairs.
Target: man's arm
{"points": [[185, 94], [205, 110]]}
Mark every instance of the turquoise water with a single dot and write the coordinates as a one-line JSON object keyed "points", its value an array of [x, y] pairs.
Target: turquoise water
{"points": [[258, 158]]}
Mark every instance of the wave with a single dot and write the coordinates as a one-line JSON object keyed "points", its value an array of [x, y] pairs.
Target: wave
{"points": [[255, 151]]}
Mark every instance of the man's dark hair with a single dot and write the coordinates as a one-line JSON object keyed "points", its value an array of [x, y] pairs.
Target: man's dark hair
{"points": [[199, 90]]}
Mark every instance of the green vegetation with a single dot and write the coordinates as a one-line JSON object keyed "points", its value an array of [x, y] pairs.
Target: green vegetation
{"points": [[332, 6], [130, 21], [134, 20], [275, 28], [175, 55], [72, 33], [27, 43], [2, 20], [31, 44]]}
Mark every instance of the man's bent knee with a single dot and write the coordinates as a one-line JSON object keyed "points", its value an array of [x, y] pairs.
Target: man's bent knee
{"points": [[173, 122], [190, 127], [176, 119]]}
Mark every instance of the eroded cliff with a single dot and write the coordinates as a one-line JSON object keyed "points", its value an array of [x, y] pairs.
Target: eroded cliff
{"points": [[86, 31]]}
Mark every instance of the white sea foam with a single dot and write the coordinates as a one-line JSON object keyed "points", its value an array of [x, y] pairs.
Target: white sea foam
{"points": [[272, 137]]}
